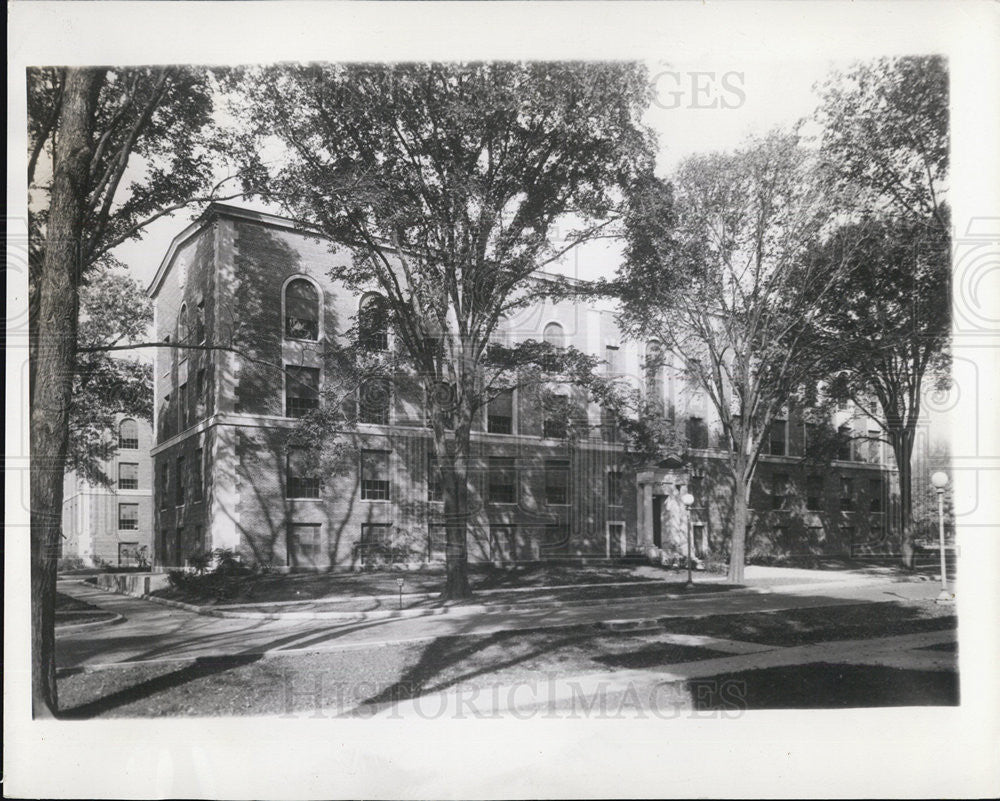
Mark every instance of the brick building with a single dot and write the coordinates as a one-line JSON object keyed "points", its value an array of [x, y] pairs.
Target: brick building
{"points": [[113, 525], [225, 476]]}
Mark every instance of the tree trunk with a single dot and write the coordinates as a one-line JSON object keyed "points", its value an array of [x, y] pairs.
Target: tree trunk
{"points": [[737, 543], [55, 353], [456, 506], [902, 449]]}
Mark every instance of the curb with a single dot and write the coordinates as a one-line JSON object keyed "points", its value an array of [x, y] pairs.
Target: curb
{"points": [[93, 624]]}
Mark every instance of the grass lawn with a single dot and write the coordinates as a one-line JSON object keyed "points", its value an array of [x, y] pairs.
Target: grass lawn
{"points": [[71, 611], [830, 686], [253, 685], [805, 626], [271, 588]]}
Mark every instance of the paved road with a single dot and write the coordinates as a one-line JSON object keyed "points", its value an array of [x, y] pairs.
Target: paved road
{"points": [[152, 632]]}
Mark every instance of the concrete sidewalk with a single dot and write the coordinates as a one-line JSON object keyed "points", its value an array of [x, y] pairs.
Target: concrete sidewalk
{"points": [[664, 692], [152, 632]]}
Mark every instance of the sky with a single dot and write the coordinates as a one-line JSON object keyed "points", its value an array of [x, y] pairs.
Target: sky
{"points": [[699, 106]]}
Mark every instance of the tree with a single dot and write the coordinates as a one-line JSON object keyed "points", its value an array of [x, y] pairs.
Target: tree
{"points": [[886, 327], [448, 183], [114, 311], [885, 139], [714, 270], [88, 130]]}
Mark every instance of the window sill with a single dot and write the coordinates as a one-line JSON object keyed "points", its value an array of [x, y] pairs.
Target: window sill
{"points": [[307, 500]]}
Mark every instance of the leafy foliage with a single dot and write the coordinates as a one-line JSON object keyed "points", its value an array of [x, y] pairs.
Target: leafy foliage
{"points": [[885, 138], [885, 134], [449, 184], [114, 310], [715, 271]]}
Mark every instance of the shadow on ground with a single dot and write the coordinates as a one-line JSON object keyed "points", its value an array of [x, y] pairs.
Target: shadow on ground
{"points": [[827, 686]]}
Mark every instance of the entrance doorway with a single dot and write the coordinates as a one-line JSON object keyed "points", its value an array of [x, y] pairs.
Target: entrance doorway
{"points": [[658, 520], [616, 540]]}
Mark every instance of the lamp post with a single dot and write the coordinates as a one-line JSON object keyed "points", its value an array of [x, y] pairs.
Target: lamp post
{"points": [[940, 481], [688, 500]]}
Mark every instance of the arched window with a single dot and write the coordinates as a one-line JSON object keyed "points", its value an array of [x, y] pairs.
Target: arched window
{"points": [[182, 326], [128, 435], [301, 310], [373, 323], [553, 335], [654, 375]]}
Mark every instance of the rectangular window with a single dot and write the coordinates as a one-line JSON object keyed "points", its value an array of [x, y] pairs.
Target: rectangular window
{"points": [[846, 494], [779, 490], [375, 537], [847, 534], [609, 425], [814, 493], [164, 486], [611, 357], [307, 543], [697, 432], [299, 483], [777, 438], [301, 390], [556, 413], [179, 482], [875, 495], [874, 449], [614, 488], [845, 444], [500, 414], [502, 480], [374, 475], [128, 475], [437, 539], [556, 482], [810, 438], [435, 490], [199, 476], [374, 400], [182, 406], [128, 517]]}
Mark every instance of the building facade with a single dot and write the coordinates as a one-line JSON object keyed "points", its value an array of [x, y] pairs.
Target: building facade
{"points": [[113, 526], [226, 476]]}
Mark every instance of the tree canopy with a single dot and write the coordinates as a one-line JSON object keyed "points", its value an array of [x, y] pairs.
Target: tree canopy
{"points": [[885, 140], [715, 270], [452, 185]]}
